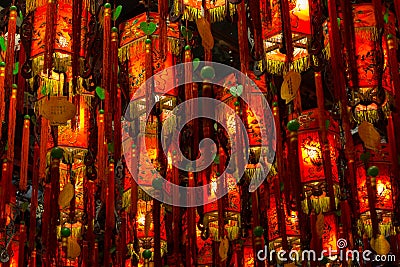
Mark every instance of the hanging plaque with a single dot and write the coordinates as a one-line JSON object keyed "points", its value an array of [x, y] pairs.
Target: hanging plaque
{"points": [[369, 135], [73, 248], [204, 28], [290, 86], [58, 110], [66, 195]]}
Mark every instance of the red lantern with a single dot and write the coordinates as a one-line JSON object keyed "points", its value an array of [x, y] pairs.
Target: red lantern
{"points": [[145, 226], [133, 48], [366, 99], [312, 171], [231, 208], [283, 224], [382, 185], [272, 35]]}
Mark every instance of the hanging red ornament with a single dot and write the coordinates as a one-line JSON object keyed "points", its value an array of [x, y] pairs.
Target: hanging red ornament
{"points": [[163, 11], [21, 241], [118, 126], [2, 90], [4, 171], [110, 206], [148, 73], [44, 139], [106, 71], [10, 142], [25, 154], [134, 185], [21, 81], [243, 37], [101, 150], [10, 53], [114, 71], [34, 204]]}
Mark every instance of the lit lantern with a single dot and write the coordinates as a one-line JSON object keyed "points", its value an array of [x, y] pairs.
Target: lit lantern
{"points": [[62, 36], [379, 174], [282, 222], [53, 69], [58, 102], [312, 171], [145, 226], [140, 42], [231, 209], [231, 203], [370, 98], [274, 39], [133, 48]]}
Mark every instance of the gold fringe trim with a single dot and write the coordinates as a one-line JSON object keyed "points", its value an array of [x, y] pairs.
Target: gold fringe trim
{"points": [[126, 198], [216, 14], [367, 33], [320, 204], [233, 233], [384, 229], [69, 155], [277, 67], [124, 52], [373, 116], [56, 86], [61, 64], [31, 5]]}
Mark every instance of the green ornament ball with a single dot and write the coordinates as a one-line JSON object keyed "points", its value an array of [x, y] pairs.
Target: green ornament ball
{"points": [[13, 8], [101, 111], [114, 29], [258, 231], [2, 64], [293, 125], [147, 254], [274, 104], [134, 146], [390, 36], [27, 117], [107, 5], [237, 103], [65, 232], [187, 47], [207, 73], [373, 171], [148, 41], [174, 152], [57, 153], [157, 183]]}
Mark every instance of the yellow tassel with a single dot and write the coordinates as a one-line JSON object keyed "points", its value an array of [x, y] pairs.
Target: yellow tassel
{"points": [[126, 199], [216, 14]]}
